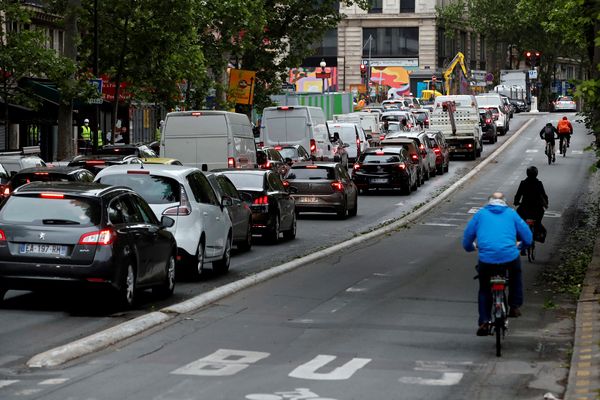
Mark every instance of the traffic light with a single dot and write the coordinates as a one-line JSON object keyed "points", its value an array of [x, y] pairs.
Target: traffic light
{"points": [[532, 57], [363, 70]]}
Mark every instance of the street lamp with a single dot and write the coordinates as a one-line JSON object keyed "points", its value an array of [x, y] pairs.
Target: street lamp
{"points": [[323, 64]]}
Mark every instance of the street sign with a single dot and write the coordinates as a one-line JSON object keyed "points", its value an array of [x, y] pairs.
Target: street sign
{"points": [[97, 83], [489, 77], [533, 74], [323, 75]]}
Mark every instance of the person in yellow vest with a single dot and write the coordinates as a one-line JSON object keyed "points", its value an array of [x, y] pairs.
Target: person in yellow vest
{"points": [[158, 131], [86, 136], [100, 141], [34, 135]]}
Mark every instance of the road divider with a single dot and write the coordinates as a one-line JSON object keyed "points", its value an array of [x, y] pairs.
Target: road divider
{"points": [[112, 336]]}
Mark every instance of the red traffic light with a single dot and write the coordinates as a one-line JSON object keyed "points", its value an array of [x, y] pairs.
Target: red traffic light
{"points": [[363, 69], [528, 54]]}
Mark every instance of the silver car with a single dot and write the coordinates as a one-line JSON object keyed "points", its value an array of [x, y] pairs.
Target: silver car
{"points": [[564, 103]]}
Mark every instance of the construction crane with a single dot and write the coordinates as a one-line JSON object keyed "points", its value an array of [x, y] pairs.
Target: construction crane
{"points": [[459, 59]]}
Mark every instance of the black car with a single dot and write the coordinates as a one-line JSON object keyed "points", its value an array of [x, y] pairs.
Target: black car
{"points": [[84, 235], [488, 126], [519, 105], [441, 150], [273, 209], [385, 167], [95, 163], [46, 174], [415, 155], [293, 153], [239, 212], [269, 158], [138, 150]]}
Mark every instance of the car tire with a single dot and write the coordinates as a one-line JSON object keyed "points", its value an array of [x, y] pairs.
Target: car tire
{"points": [[440, 169], [291, 233], [447, 166], [222, 266], [165, 289], [354, 210], [246, 245], [273, 234], [421, 179], [342, 212], [198, 261], [427, 175], [126, 295]]}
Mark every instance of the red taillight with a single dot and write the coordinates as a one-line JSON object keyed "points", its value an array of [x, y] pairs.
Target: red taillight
{"points": [[381, 137], [337, 186], [286, 183], [261, 144], [469, 145], [498, 286], [312, 166], [102, 238], [358, 142], [357, 166], [436, 150], [313, 146], [488, 121], [285, 108], [278, 148], [184, 207], [231, 162], [414, 157], [52, 196], [196, 114], [95, 162], [6, 191], [96, 280], [40, 173], [402, 166], [260, 201], [2, 236], [139, 172], [380, 152]]}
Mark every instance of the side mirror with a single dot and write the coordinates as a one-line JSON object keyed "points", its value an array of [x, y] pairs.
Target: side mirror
{"points": [[292, 189], [246, 197], [226, 201], [167, 222]]}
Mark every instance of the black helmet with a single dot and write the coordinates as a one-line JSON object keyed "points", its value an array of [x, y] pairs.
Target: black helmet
{"points": [[532, 172]]}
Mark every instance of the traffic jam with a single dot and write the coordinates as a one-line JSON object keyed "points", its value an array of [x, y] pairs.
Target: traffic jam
{"points": [[124, 219]]}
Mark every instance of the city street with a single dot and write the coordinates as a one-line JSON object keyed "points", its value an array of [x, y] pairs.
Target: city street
{"points": [[394, 315]]}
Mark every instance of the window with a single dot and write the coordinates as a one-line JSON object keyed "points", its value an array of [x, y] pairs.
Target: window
{"points": [[154, 189], [203, 192], [35, 210], [481, 53], [391, 42], [145, 211], [275, 182], [122, 211], [407, 6], [228, 187], [328, 46], [375, 6], [302, 172]]}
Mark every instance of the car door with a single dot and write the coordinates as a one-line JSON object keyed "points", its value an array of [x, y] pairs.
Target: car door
{"points": [[284, 200], [349, 187], [238, 213]]}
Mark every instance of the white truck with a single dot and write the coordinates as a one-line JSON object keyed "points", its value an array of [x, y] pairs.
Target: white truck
{"points": [[457, 117], [515, 84]]}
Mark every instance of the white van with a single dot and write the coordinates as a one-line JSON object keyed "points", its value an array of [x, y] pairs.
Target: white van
{"points": [[494, 102], [352, 134], [368, 121], [291, 125], [209, 139]]}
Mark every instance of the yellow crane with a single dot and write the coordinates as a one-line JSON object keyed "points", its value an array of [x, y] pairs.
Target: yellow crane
{"points": [[459, 59]]}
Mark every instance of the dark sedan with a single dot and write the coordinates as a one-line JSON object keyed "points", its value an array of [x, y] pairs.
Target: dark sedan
{"points": [[273, 209], [323, 187], [293, 153], [441, 150], [386, 167], [47, 174], [65, 234], [95, 163], [270, 158]]}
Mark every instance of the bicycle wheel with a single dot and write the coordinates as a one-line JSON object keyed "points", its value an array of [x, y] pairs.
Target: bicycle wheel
{"points": [[564, 148], [498, 327], [549, 157], [531, 253]]}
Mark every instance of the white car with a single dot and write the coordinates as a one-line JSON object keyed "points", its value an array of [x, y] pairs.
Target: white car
{"points": [[494, 103], [564, 103], [202, 226], [351, 134]]}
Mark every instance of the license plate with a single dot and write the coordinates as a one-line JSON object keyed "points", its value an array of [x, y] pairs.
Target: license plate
{"points": [[308, 199], [47, 249], [452, 147], [379, 180]]}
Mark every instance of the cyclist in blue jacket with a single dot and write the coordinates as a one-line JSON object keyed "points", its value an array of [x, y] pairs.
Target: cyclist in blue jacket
{"points": [[497, 228]]}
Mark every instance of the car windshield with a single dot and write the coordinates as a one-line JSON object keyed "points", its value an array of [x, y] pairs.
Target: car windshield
{"points": [[36, 210], [381, 158], [247, 181], [310, 172], [288, 152], [23, 179], [154, 189]]}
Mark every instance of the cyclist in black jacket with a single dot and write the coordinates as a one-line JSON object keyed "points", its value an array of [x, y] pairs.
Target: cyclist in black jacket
{"points": [[531, 198], [549, 134]]}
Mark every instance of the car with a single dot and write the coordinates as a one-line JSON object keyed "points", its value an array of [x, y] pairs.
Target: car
{"points": [[441, 149], [293, 153], [138, 150], [422, 117], [161, 160], [495, 103], [398, 116], [385, 167], [273, 208], [202, 226], [239, 211], [411, 145], [96, 163], [56, 235], [338, 149], [323, 187], [562, 103], [353, 135], [4, 179], [508, 107], [46, 174], [425, 149], [488, 127], [519, 105], [269, 158], [14, 161]]}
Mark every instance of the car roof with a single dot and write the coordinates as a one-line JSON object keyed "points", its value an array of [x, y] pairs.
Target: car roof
{"points": [[108, 157], [175, 171], [88, 189], [58, 170], [331, 164], [242, 171], [384, 148]]}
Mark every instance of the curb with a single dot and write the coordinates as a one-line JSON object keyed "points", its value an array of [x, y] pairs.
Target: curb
{"points": [[108, 337]]}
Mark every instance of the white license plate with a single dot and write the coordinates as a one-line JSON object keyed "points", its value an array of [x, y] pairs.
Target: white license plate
{"points": [[48, 249], [308, 199], [379, 180]]}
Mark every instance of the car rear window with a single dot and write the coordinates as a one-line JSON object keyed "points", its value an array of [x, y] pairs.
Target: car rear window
{"points": [[118, 151], [565, 98], [381, 158], [23, 179], [154, 189], [36, 210], [247, 181], [308, 172], [288, 152]]}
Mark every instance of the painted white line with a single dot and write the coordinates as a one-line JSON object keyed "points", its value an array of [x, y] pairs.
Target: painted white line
{"points": [[473, 210], [27, 392], [223, 362], [437, 224], [400, 204], [128, 329], [355, 290], [309, 369], [447, 379], [56, 381], [7, 382], [552, 214], [577, 151], [532, 150]]}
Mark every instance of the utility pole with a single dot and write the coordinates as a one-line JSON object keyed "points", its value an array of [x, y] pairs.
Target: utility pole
{"points": [[96, 117]]}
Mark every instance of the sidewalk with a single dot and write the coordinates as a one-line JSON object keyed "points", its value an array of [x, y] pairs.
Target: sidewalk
{"points": [[584, 375]]}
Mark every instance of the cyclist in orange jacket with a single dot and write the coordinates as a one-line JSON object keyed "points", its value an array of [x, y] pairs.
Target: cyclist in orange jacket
{"points": [[565, 130]]}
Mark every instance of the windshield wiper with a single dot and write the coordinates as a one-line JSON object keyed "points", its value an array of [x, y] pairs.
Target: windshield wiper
{"points": [[60, 222]]}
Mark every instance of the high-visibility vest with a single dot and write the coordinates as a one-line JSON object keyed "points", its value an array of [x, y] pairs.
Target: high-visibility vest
{"points": [[33, 134], [86, 132], [100, 141], [157, 135]]}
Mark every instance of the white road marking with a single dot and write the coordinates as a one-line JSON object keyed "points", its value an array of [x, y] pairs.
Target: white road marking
{"points": [[552, 214], [456, 213], [444, 366], [297, 394], [447, 379], [223, 362], [577, 151], [532, 150], [400, 204], [478, 198], [355, 289], [6, 382], [473, 210], [471, 203], [56, 381], [437, 224], [27, 392], [308, 370]]}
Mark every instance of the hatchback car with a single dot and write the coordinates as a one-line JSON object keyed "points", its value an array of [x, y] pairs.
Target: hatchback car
{"points": [[65, 234], [426, 149], [202, 224], [269, 158], [323, 187], [239, 210], [422, 117], [14, 163], [273, 209], [488, 127], [385, 167], [564, 103], [46, 174], [293, 153], [441, 150], [414, 154]]}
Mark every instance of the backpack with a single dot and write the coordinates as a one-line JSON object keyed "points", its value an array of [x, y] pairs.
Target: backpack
{"points": [[548, 133], [563, 126]]}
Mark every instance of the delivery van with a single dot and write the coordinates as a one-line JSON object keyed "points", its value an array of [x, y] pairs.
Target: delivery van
{"points": [[209, 139]]}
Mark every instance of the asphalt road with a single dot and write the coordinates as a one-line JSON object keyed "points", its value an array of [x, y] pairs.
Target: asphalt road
{"points": [[33, 322]]}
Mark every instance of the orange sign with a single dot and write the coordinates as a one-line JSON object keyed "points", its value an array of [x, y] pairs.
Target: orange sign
{"points": [[241, 86]]}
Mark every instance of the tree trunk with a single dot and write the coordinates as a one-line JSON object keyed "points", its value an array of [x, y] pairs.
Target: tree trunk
{"points": [[118, 78], [66, 141]]}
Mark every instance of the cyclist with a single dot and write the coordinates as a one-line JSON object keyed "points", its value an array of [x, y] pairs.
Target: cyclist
{"points": [[549, 134], [496, 227], [531, 198], [565, 130]]}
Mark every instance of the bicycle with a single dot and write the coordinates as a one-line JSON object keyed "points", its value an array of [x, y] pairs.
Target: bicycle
{"points": [[563, 146], [550, 152], [499, 322], [531, 249]]}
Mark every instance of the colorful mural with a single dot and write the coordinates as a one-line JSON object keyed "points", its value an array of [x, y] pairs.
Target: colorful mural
{"points": [[397, 79], [305, 80]]}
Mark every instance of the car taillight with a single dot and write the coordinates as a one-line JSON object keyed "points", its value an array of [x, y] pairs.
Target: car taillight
{"points": [[286, 183], [231, 162], [52, 195], [184, 207], [337, 186], [95, 162], [261, 144], [6, 191], [358, 142], [261, 200], [402, 166], [313, 145], [40, 173], [381, 137], [488, 121], [414, 157], [469, 145], [436, 150], [102, 238], [2, 236], [357, 166]]}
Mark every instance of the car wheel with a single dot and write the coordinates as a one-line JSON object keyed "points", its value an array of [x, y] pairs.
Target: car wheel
{"points": [[291, 233], [427, 175], [447, 166], [421, 179], [342, 212], [273, 234], [354, 210], [198, 261], [246, 245], [440, 169], [415, 185], [433, 171], [222, 266], [166, 288], [128, 287]]}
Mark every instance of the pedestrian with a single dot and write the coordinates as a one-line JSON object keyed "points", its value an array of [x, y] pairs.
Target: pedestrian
{"points": [[85, 135]]}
